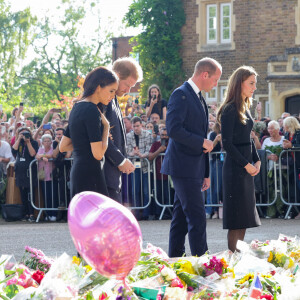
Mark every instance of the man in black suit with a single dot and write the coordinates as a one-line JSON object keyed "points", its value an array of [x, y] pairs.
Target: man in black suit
{"points": [[116, 163], [186, 158]]}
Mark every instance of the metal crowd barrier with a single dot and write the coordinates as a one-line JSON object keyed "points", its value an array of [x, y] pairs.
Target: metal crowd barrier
{"points": [[289, 170], [136, 187], [147, 189], [57, 189]]}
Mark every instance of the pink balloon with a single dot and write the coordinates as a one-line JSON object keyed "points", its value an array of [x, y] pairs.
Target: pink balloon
{"points": [[105, 233]]}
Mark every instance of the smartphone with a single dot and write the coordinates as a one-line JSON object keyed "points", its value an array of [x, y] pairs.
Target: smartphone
{"points": [[21, 103], [136, 100], [30, 115], [154, 97], [56, 110], [156, 129], [47, 126], [1, 107]]}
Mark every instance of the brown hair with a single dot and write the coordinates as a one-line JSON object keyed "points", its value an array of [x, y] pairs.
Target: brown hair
{"points": [[208, 65], [128, 67], [234, 93]]}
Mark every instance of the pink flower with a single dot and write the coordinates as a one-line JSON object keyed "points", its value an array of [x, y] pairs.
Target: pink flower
{"points": [[176, 283]]}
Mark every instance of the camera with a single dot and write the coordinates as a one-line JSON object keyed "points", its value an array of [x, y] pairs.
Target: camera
{"points": [[154, 97], [21, 103], [26, 134]]}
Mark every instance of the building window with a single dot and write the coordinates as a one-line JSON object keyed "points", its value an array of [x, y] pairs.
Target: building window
{"points": [[222, 93], [218, 23], [212, 95], [225, 23], [211, 23]]}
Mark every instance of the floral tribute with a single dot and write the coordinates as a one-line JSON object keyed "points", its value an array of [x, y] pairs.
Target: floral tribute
{"points": [[261, 270]]}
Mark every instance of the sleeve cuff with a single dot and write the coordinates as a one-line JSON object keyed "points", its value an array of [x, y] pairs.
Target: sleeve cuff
{"points": [[122, 163]]}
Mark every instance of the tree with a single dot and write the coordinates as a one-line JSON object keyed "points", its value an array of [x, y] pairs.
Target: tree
{"points": [[54, 72], [158, 44], [15, 37]]}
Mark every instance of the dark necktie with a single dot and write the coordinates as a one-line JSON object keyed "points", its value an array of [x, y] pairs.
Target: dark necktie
{"points": [[202, 101]]}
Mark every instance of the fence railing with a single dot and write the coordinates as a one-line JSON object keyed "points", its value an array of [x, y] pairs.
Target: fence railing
{"points": [[149, 192]]}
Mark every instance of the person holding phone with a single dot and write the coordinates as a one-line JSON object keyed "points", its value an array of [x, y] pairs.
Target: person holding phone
{"points": [[242, 162], [155, 103], [88, 131], [24, 150]]}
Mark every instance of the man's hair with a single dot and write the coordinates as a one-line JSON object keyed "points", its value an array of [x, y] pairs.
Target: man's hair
{"points": [[128, 67], [136, 119], [208, 65], [60, 128], [154, 114], [127, 118]]}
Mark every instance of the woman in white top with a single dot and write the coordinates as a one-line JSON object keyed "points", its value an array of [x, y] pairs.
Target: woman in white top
{"points": [[275, 138]]}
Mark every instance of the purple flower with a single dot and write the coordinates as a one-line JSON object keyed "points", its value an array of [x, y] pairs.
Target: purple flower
{"points": [[167, 23], [120, 289], [165, 12]]}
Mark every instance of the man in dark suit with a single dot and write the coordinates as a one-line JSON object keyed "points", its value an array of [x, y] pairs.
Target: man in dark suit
{"points": [[186, 158], [129, 72]]}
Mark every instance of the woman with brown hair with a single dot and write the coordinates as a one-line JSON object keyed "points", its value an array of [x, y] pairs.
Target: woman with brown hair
{"points": [[155, 104], [239, 203]]}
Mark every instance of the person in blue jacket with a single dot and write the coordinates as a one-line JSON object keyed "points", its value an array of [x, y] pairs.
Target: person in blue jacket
{"points": [[186, 159]]}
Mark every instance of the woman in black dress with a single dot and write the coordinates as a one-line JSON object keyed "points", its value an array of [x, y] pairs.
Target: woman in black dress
{"points": [[239, 203], [155, 104], [88, 131]]}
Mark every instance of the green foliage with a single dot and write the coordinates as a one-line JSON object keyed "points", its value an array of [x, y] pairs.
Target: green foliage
{"points": [[15, 36], [55, 73], [159, 43]]}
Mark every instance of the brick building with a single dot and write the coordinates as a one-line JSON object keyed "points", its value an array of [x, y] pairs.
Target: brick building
{"points": [[262, 33], [121, 47]]}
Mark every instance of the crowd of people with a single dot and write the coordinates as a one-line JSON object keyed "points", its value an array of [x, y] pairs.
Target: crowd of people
{"points": [[23, 140]]}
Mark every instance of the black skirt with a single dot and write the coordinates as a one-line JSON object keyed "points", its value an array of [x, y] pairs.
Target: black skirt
{"points": [[239, 202]]}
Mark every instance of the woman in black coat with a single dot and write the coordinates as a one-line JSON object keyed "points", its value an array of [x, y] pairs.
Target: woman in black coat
{"points": [[239, 203], [25, 149]]}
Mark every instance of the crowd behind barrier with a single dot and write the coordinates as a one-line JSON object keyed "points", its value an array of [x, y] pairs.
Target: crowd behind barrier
{"points": [[38, 175], [159, 200]]}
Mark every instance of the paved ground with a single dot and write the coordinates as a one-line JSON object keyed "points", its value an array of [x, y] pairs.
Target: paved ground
{"points": [[54, 238]]}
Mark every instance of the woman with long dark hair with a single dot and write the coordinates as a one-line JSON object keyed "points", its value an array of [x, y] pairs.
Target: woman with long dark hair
{"points": [[239, 203], [155, 104], [88, 131]]}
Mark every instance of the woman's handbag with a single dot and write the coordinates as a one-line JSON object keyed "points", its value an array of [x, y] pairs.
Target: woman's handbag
{"points": [[12, 212], [41, 174]]}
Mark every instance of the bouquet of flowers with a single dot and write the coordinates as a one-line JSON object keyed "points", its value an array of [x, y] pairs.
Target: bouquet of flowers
{"points": [[36, 260], [260, 249], [279, 259]]}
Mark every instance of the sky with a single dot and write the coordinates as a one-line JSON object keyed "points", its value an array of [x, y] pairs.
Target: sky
{"points": [[112, 12], [111, 15]]}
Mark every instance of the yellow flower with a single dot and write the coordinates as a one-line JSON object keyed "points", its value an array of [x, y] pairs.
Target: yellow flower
{"points": [[88, 268], [247, 277], [186, 266], [270, 258], [291, 263], [76, 260]]}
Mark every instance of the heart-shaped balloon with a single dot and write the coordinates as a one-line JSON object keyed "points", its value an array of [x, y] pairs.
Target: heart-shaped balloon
{"points": [[105, 233]]}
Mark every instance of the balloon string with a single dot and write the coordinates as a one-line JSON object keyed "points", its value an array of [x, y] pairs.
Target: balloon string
{"points": [[126, 286]]}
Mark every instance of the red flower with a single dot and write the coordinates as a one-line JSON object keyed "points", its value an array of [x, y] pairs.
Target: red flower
{"points": [[267, 297], [103, 296], [38, 276]]}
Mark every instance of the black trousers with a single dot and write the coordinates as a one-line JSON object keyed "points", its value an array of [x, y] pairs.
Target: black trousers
{"points": [[188, 218]]}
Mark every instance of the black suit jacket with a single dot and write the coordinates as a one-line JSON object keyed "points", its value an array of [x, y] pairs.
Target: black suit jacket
{"points": [[116, 150]]}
